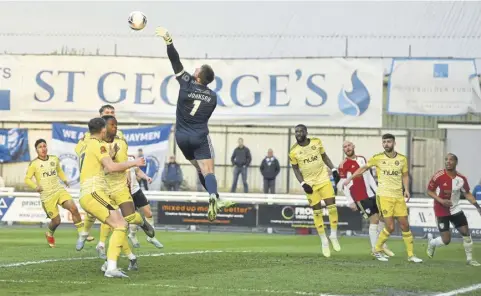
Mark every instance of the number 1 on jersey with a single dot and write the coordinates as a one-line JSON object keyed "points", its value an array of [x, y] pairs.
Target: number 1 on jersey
{"points": [[82, 157], [195, 108]]}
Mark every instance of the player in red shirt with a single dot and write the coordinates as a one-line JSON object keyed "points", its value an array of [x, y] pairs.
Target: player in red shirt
{"points": [[361, 192], [449, 184]]}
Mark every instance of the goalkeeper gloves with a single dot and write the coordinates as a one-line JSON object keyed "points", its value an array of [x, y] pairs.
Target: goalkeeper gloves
{"points": [[162, 32], [307, 188]]}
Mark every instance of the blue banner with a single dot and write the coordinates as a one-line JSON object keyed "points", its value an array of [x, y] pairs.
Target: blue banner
{"points": [[154, 141], [14, 145]]}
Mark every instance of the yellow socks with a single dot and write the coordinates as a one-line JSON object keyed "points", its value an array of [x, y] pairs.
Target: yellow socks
{"points": [[89, 222], [134, 218], [408, 242], [383, 236], [333, 219], [105, 230], [117, 240], [319, 223]]}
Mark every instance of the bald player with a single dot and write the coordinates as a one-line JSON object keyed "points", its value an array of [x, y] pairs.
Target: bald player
{"points": [[361, 193]]}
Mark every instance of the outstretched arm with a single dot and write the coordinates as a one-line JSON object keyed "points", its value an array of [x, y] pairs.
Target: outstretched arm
{"points": [[171, 51]]}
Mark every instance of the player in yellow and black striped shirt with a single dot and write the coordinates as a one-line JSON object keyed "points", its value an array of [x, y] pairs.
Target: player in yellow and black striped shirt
{"points": [[393, 188], [48, 173]]}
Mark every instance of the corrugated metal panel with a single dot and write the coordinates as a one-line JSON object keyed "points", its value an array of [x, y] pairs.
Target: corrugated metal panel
{"points": [[248, 29]]}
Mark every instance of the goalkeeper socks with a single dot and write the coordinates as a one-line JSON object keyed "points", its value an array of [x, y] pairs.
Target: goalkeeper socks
{"points": [[202, 179], [383, 236], [408, 242], [333, 219], [89, 222], [116, 241], [468, 247], [211, 184], [373, 235], [134, 218], [105, 230]]}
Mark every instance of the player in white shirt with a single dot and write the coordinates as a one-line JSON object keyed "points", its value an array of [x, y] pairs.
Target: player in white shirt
{"points": [[141, 204]]}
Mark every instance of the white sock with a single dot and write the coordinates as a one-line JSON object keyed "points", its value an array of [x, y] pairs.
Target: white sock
{"points": [[132, 229], [111, 264], [131, 256], [83, 235], [373, 234], [437, 242], [150, 221], [101, 245], [468, 247], [324, 239]]}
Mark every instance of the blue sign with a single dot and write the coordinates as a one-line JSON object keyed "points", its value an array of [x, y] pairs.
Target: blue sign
{"points": [[14, 145]]}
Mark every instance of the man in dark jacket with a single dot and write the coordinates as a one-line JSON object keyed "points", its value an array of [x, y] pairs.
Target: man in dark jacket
{"points": [[172, 175], [241, 159], [270, 168]]}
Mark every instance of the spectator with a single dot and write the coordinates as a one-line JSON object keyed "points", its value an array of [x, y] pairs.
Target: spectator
{"points": [[172, 175], [140, 153], [241, 159], [270, 168], [477, 191]]}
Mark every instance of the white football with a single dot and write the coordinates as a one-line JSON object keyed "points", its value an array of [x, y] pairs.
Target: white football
{"points": [[137, 20]]}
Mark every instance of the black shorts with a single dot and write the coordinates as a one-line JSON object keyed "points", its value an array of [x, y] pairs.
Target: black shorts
{"points": [[139, 199], [458, 220], [192, 147], [367, 207]]}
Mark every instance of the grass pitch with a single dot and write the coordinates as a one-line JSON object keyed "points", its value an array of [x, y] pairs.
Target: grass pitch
{"points": [[228, 264]]}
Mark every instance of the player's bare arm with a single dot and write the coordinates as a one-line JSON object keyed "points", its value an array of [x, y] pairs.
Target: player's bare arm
{"points": [[356, 174], [469, 196], [140, 174], [329, 163], [405, 178], [297, 172], [111, 167]]}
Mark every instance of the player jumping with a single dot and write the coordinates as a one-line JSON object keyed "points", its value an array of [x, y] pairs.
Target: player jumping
{"points": [[141, 204], [90, 220], [94, 160], [450, 183], [195, 106], [392, 171], [361, 193], [310, 164], [118, 190], [47, 171]]}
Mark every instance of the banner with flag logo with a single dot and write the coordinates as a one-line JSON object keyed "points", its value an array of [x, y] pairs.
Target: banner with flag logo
{"points": [[437, 87], [154, 141]]}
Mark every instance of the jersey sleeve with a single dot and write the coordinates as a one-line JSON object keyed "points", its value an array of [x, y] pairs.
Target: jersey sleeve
{"points": [[292, 157], [465, 187], [433, 183], [405, 165], [79, 146], [372, 162], [184, 79], [60, 172], [321, 147], [29, 175]]}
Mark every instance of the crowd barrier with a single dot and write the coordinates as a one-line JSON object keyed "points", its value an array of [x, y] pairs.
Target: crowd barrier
{"points": [[251, 210]]}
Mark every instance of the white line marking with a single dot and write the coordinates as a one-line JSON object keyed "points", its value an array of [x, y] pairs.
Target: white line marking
{"points": [[266, 291], [461, 291], [17, 264]]}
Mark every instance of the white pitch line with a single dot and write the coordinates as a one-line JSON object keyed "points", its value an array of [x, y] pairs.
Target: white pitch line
{"points": [[17, 264], [266, 291], [461, 291]]}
